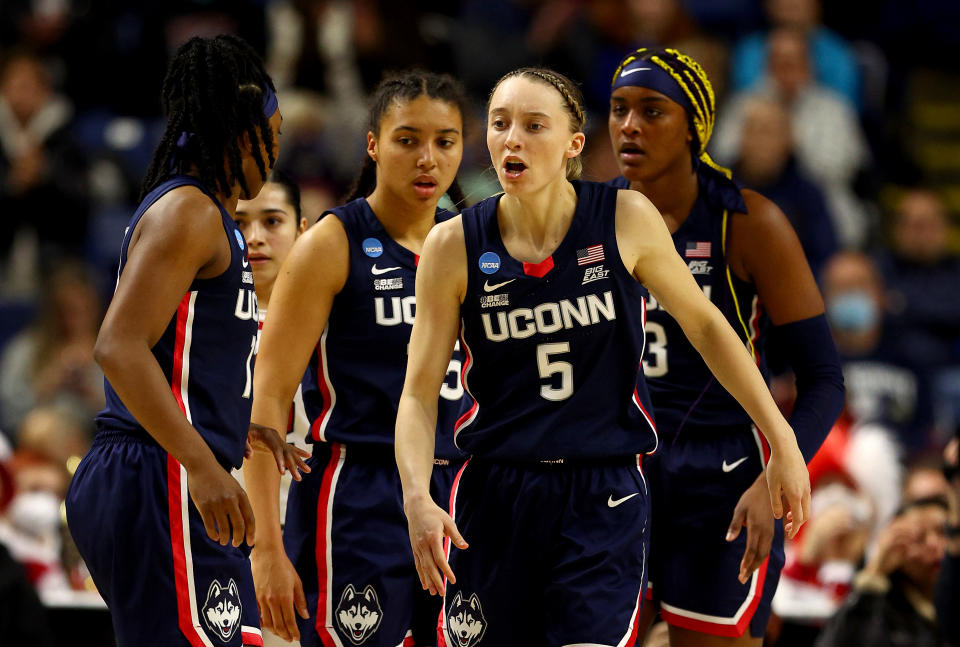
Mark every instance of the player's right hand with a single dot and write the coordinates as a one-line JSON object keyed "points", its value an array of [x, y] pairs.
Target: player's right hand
{"points": [[222, 504], [788, 481], [428, 524], [279, 592]]}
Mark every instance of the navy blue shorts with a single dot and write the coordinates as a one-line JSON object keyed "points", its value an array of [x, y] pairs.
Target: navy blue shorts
{"points": [[346, 535], [695, 484], [557, 555], [165, 581]]}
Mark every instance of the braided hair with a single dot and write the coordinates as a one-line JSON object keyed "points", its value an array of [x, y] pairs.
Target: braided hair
{"points": [[212, 93], [572, 99], [404, 87], [696, 86]]}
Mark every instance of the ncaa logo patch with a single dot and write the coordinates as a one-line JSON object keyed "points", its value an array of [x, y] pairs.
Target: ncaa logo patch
{"points": [[221, 611], [372, 247], [236, 232], [465, 622], [359, 614], [489, 262]]}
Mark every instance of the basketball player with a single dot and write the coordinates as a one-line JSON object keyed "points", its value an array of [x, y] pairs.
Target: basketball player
{"points": [[543, 284], [271, 223], [712, 581], [152, 507], [344, 565]]}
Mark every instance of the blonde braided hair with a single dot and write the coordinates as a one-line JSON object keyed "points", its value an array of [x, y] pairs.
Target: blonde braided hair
{"points": [[572, 98]]}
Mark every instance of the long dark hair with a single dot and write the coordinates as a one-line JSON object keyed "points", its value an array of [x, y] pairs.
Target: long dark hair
{"points": [[290, 188], [212, 93], [407, 86]]}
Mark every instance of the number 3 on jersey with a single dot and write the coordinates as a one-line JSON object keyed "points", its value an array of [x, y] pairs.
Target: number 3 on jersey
{"points": [[655, 355]]}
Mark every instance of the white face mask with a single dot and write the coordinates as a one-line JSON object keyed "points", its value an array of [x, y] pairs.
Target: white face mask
{"points": [[35, 513]]}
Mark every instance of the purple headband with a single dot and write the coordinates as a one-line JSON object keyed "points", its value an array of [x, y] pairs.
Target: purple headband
{"points": [[270, 103], [647, 74]]}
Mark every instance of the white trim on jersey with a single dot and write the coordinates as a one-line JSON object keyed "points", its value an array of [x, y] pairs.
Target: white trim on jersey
{"points": [[328, 531], [448, 544], [468, 366], [633, 397], [185, 366], [321, 428], [719, 620], [185, 520]]}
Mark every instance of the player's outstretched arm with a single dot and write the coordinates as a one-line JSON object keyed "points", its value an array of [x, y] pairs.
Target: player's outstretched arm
{"points": [[441, 285], [309, 279], [647, 249], [178, 239]]}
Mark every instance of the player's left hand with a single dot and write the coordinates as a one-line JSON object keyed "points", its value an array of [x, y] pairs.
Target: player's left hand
{"points": [[288, 457], [753, 511], [788, 483]]}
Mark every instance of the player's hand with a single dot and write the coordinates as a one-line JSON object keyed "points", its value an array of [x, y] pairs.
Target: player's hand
{"points": [[288, 457], [428, 525], [279, 592], [789, 482], [222, 504], [753, 511]]}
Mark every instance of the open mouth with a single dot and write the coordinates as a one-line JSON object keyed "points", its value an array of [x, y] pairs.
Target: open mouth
{"points": [[425, 187], [631, 151], [514, 168]]}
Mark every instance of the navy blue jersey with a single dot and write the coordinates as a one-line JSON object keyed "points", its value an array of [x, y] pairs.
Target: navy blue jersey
{"points": [[354, 379], [683, 389], [206, 351], [553, 349]]}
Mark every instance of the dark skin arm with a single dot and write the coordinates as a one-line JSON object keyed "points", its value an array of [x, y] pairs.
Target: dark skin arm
{"points": [[763, 249], [179, 238]]}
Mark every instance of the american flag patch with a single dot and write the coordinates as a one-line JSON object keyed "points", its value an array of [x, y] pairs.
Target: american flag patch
{"points": [[700, 249], [592, 254]]}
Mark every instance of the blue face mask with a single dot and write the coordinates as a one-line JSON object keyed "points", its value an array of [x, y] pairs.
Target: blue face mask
{"points": [[852, 311]]}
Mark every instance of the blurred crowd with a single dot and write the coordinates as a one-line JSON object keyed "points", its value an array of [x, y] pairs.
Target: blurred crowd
{"points": [[847, 115]]}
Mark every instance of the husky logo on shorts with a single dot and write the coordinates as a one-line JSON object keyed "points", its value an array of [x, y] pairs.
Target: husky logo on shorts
{"points": [[359, 614], [465, 621], [222, 609]]}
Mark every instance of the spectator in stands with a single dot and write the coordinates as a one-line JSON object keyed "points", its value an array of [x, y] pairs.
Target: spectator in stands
{"points": [[823, 559], [52, 360], [23, 620], [892, 603], [922, 276], [43, 178], [32, 527], [833, 60], [830, 144], [947, 595], [55, 431], [766, 163], [884, 385]]}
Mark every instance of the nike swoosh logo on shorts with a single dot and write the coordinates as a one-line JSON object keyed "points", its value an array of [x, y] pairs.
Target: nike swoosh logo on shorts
{"points": [[636, 69], [729, 467], [377, 270], [613, 503], [496, 286]]}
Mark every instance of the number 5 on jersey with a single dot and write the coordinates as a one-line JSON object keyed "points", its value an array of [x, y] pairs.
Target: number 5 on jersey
{"points": [[548, 368]]}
